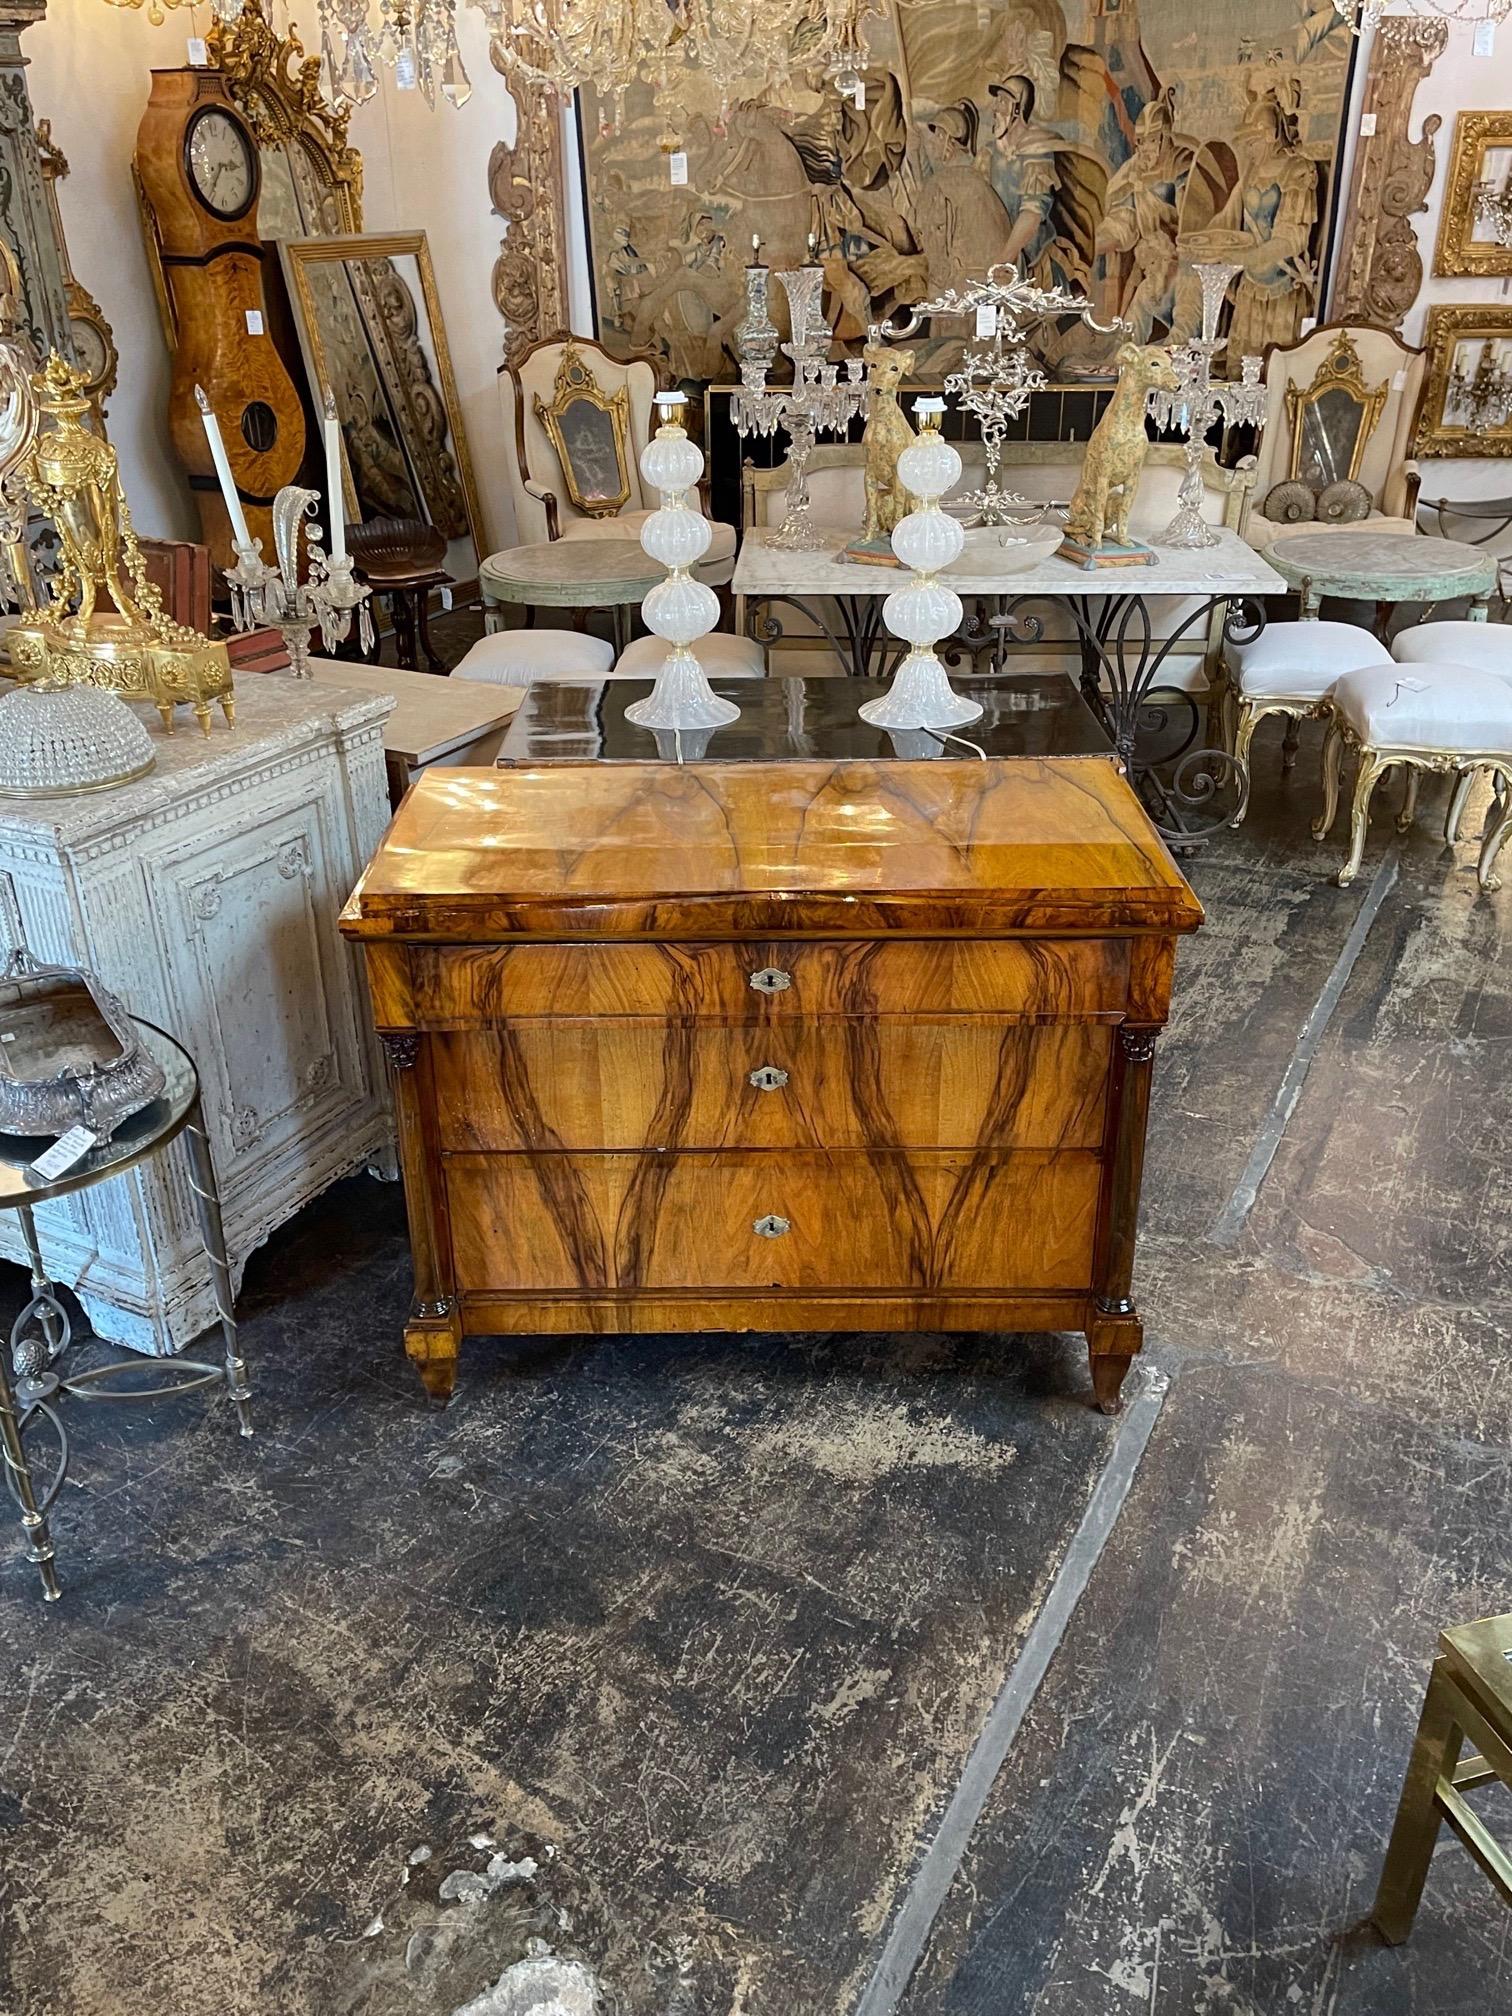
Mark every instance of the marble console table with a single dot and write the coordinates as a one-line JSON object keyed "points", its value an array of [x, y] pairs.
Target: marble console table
{"points": [[1123, 654], [206, 895]]}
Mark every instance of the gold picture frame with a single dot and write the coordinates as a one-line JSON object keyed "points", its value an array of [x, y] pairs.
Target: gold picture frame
{"points": [[589, 429], [1338, 385], [1478, 137], [1450, 331], [410, 415]]}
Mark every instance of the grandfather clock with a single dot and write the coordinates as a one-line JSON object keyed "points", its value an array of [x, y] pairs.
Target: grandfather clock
{"points": [[199, 174]]}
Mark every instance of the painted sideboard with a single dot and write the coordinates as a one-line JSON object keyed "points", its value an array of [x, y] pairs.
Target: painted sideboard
{"points": [[206, 895]]}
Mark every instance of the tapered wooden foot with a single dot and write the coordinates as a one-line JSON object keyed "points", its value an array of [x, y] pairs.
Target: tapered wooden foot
{"points": [[433, 1342], [1113, 1342]]}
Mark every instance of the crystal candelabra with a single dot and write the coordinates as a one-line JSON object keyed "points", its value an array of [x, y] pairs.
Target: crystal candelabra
{"points": [[994, 383], [324, 600], [817, 402], [1482, 399], [678, 609], [923, 610], [1199, 401]]}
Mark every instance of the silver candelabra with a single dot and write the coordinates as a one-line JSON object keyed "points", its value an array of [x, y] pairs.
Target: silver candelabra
{"points": [[325, 599], [1199, 401], [817, 402]]}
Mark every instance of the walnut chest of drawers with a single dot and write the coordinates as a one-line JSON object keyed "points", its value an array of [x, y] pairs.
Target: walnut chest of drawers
{"points": [[796, 1046]]}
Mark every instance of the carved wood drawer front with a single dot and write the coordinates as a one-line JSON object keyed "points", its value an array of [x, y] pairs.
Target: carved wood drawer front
{"points": [[852, 1082], [461, 986], [551, 1222]]}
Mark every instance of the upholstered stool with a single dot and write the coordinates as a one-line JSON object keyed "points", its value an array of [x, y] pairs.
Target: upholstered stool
{"points": [[721, 655], [521, 657], [1487, 646], [1425, 717], [1290, 669], [1469, 1696]]}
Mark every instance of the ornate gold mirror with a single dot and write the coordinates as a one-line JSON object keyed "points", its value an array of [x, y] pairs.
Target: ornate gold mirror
{"points": [[590, 430], [1333, 418], [1481, 169]]}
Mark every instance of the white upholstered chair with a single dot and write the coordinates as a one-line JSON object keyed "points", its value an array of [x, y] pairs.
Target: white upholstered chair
{"points": [[1453, 718], [1290, 669], [542, 489], [1386, 365], [1485, 645], [524, 657]]}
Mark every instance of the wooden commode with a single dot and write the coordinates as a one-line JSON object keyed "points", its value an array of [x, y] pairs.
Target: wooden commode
{"points": [[772, 1046]]}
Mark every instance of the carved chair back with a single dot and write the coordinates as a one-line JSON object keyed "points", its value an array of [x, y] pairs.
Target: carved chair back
{"points": [[1391, 377], [541, 494]]}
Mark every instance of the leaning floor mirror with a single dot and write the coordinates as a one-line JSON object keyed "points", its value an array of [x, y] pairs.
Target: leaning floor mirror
{"points": [[370, 329]]}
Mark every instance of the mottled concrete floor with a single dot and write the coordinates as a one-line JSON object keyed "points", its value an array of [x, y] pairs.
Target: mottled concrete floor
{"points": [[676, 1650]]}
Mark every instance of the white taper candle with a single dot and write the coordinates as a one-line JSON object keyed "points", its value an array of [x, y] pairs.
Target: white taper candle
{"points": [[223, 468], [334, 503]]}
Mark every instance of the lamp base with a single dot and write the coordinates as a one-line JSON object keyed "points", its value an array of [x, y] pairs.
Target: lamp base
{"points": [[682, 697], [921, 696]]}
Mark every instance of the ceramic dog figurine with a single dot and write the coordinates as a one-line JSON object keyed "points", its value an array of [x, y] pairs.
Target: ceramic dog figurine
{"points": [[1097, 524]]}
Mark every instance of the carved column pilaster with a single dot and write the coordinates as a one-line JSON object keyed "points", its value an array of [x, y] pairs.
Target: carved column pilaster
{"points": [[1380, 268], [527, 189], [26, 221]]}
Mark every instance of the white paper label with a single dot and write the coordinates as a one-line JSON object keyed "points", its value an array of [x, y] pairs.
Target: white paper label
{"points": [[1399, 382], [1309, 323], [199, 52], [446, 597], [858, 96], [1367, 125], [986, 322], [254, 322], [677, 168], [66, 1150], [1485, 38], [406, 77]]}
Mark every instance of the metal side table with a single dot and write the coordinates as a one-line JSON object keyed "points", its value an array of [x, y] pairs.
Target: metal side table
{"points": [[41, 1332]]}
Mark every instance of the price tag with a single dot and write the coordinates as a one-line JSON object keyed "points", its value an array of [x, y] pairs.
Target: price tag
{"points": [[199, 52], [1485, 38], [986, 323], [677, 169], [446, 597], [858, 96], [68, 1149], [254, 322], [1399, 382], [406, 76], [1367, 125], [1309, 323]]}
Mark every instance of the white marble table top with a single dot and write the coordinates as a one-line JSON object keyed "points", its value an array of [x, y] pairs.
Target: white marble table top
{"points": [[1232, 567]]}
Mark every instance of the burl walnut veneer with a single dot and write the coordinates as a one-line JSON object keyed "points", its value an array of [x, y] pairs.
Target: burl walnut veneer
{"points": [[788, 1046]]}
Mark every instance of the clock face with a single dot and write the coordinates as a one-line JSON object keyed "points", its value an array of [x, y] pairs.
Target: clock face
{"points": [[221, 162]]}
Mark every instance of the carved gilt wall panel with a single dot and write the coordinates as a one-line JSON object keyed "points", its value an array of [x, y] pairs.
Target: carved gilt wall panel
{"points": [[1380, 267], [526, 188]]}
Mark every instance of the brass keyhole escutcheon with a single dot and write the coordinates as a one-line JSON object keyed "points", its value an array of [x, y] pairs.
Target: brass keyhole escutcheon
{"points": [[771, 980], [769, 1078], [770, 1227]]}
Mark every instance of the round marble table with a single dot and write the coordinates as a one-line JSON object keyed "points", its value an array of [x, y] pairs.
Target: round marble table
{"points": [[609, 574], [1383, 567]]}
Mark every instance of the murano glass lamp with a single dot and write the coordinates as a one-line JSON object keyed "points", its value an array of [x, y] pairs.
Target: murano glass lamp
{"points": [[924, 610], [679, 609]]}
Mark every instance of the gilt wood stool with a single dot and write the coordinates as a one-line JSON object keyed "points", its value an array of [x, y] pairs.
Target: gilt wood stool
{"points": [[1469, 1695], [42, 1330]]}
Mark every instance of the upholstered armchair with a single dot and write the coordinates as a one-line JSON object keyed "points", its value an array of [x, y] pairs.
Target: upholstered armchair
{"points": [[1341, 404], [578, 420]]}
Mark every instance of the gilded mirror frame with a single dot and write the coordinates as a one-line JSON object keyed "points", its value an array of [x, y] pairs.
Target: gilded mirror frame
{"points": [[576, 384], [405, 374], [1459, 251], [1448, 327], [1340, 371]]}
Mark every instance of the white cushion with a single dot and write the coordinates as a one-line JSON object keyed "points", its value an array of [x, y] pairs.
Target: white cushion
{"points": [[1301, 661], [721, 655], [627, 525], [1427, 707], [521, 657], [1487, 646]]}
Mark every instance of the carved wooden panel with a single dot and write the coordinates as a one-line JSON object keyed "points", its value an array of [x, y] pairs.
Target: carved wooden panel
{"points": [[526, 188], [1380, 267]]}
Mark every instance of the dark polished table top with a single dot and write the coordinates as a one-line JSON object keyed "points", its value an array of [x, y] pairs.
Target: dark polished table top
{"points": [[1024, 714]]}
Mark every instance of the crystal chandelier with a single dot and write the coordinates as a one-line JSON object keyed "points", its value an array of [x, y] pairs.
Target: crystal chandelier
{"points": [[1493, 210], [1359, 15]]}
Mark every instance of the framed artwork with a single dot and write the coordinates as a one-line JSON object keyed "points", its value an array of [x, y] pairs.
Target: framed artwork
{"points": [[1467, 405], [1481, 161], [1100, 144], [370, 328]]}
